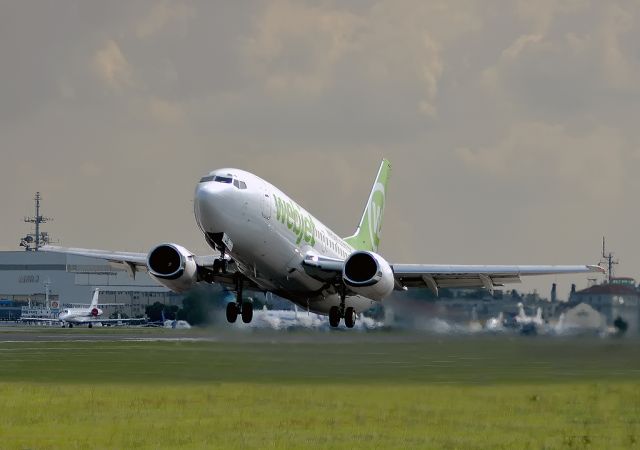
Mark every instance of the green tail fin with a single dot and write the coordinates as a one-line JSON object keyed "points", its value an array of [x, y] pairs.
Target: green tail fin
{"points": [[367, 235]]}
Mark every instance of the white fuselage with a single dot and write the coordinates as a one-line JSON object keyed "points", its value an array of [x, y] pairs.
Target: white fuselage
{"points": [[79, 315], [270, 234]]}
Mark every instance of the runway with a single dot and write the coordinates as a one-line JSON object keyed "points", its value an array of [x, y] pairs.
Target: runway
{"points": [[239, 334], [222, 333]]}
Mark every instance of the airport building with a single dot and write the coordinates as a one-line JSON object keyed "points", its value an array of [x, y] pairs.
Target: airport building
{"points": [[619, 298], [38, 284], [25, 277]]}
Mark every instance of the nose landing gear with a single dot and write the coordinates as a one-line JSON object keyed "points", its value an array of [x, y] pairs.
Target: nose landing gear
{"points": [[241, 307]]}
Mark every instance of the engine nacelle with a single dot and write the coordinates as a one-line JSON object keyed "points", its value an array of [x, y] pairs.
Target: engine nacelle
{"points": [[368, 274], [173, 266]]}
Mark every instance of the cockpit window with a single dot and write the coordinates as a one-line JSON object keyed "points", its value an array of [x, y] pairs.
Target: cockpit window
{"points": [[240, 184], [226, 180]]}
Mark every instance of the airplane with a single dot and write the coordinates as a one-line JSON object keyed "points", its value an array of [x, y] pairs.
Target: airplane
{"points": [[266, 242], [89, 316]]}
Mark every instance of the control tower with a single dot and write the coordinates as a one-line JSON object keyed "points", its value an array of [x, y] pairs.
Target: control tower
{"points": [[33, 241]]}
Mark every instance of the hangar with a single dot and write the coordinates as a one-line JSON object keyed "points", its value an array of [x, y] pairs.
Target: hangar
{"points": [[25, 277]]}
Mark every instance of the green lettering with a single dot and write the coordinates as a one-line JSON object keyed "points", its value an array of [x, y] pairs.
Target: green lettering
{"points": [[307, 228], [289, 215], [312, 233], [281, 213], [296, 220]]}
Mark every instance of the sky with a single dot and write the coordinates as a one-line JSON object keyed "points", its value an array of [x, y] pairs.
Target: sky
{"points": [[512, 126]]}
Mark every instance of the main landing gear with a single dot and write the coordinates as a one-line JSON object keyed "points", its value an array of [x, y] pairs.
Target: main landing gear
{"points": [[338, 312], [239, 307]]}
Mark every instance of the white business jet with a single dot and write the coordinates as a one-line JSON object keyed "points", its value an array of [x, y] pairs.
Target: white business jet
{"points": [[89, 314], [267, 242]]}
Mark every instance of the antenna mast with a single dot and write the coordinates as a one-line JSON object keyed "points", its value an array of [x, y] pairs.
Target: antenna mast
{"points": [[33, 242], [608, 258]]}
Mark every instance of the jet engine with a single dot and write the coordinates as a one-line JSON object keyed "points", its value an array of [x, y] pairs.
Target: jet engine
{"points": [[173, 266], [368, 274]]}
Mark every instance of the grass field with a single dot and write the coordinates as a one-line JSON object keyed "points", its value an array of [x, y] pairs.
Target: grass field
{"points": [[275, 391]]}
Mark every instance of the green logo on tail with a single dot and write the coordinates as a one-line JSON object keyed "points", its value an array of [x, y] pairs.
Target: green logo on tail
{"points": [[367, 235]]}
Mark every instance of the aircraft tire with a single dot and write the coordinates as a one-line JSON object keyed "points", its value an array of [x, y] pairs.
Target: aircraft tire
{"points": [[350, 317], [90, 325], [70, 325], [232, 312], [334, 317], [247, 312]]}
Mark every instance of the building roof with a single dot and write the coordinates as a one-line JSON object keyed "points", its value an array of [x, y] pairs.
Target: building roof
{"points": [[609, 289]]}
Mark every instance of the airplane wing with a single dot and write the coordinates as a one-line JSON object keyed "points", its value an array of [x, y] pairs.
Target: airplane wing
{"points": [[456, 276], [135, 262], [118, 320], [132, 262], [436, 276], [38, 319]]}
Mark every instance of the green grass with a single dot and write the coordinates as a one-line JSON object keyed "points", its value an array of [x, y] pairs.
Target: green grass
{"points": [[269, 391]]}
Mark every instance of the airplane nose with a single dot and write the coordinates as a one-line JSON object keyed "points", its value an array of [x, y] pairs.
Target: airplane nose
{"points": [[208, 204]]}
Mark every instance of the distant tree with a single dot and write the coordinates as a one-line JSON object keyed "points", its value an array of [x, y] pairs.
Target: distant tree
{"points": [[621, 325], [171, 312], [154, 311], [195, 308]]}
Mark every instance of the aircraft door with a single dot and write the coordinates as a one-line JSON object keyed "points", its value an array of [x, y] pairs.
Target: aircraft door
{"points": [[266, 203]]}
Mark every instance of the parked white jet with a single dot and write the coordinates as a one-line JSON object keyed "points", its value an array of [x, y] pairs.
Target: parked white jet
{"points": [[267, 242], [89, 315]]}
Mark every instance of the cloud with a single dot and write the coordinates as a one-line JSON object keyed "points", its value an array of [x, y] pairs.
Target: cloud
{"points": [[505, 121], [112, 67], [621, 68], [161, 15], [296, 46], [376, 55], [165, 111], [588, 165], [520, 45], [541, 14]]}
